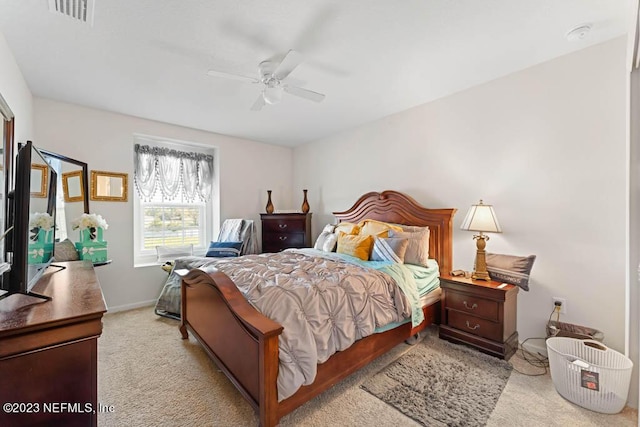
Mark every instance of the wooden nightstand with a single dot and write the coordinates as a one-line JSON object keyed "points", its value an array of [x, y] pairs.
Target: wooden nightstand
{"points": [[285, 230], [479, 314]]}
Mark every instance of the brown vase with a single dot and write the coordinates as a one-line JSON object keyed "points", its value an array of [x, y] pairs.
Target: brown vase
{"points": [[305, 203], [269, 207]]}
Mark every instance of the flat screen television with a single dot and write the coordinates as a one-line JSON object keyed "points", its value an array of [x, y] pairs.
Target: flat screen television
{"points": [[31, 218]]}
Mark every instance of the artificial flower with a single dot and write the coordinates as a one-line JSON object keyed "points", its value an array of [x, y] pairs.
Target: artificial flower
{"points": [[41, 220], [89, 221]]}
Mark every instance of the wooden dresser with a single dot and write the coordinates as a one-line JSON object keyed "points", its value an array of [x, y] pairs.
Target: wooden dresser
{"points": [[285, 230], [48, 350], [481, 314]]}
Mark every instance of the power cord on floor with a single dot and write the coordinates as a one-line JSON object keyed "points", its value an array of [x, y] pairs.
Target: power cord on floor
{"points": [[538, 359]]}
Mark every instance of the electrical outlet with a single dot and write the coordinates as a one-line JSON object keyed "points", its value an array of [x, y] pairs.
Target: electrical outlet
{"points": [[563, 304]]}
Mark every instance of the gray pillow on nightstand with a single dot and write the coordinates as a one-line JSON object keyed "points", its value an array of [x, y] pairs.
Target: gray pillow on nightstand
{"points": [[510, 269]]}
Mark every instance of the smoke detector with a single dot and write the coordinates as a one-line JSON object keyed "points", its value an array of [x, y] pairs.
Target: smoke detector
{"points": [[579, 33], [78, 10]]}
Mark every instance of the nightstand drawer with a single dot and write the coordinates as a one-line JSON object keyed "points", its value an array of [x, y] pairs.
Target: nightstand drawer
{"points": [[284, 226], [475, 325], [475, 306]]}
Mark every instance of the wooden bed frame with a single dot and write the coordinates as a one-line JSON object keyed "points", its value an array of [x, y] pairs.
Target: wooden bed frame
{"points": [[244, 343]]}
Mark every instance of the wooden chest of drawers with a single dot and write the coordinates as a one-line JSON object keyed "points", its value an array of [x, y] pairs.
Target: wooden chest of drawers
{"points": [[285, 230], [480, 314]]}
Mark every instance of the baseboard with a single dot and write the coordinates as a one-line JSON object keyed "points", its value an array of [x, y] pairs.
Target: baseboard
{"points": [[126, 307]]}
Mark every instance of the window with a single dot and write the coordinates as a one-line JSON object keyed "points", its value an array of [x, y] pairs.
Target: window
{"points": [[173, 223], [173, 206]]}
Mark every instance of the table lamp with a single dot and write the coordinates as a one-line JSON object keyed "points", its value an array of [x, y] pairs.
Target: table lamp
{"points": [[483, 219]]}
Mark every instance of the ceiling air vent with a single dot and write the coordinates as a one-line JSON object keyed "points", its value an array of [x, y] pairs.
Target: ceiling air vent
{"points": [[79, 10]]}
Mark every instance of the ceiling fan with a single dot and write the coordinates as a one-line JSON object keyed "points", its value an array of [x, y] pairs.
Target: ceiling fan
{"points": [[271, 76]]}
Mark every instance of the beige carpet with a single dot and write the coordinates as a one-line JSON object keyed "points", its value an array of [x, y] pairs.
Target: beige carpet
{"points": [[151, 377]]}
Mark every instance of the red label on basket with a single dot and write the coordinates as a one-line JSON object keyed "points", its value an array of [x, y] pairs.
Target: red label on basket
{"points": [[590, 380]]}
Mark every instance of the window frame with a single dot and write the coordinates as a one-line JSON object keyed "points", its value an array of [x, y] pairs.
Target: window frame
{"points": [[147, 257]]}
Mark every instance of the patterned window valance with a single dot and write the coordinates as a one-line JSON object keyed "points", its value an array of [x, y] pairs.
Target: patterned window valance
{"points": [[173, 172]]}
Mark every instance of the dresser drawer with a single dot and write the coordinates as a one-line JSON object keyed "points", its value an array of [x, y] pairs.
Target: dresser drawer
{"points": [[474, 325], [275, 242], [472, 305], [284, 226]]}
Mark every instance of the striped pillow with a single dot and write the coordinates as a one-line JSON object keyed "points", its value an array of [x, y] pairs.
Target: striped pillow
{"points": [[389, 249]]}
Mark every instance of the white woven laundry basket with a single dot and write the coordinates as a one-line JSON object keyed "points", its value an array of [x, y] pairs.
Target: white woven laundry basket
{"points": [[589, 374]]}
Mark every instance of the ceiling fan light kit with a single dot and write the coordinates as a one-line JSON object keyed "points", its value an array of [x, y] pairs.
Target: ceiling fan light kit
{"points": [[272, 94], [271, 76]]}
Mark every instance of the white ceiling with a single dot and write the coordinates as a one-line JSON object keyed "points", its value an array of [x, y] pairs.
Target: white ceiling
{"points": [[372, 58]]}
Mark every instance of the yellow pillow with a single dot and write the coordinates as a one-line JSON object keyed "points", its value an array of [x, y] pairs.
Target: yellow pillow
{"points": [[371, 227], [354, 245], [347, 228]]}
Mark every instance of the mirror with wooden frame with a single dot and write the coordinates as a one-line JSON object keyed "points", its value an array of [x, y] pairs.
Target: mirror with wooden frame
{"points": [[109, 186], [68, 210]]}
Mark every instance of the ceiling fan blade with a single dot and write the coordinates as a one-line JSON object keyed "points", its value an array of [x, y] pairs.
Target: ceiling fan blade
{"points": [[257, 106], [304, 93], [215, 73], [291, 60]]}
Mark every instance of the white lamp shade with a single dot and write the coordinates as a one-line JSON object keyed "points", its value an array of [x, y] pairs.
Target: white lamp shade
{"points": [[481, 218]]}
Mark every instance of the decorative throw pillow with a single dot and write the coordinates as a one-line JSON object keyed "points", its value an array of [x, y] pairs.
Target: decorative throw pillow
{"points": [[224, 249], [372, 227], [510, 269], [65, 251], [391, 249], [418, 248], [170, 253], [354, 245], [347, 228], [327, 240]]}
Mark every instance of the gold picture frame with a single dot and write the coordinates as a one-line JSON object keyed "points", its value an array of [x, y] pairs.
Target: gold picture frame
{"points": [[73, 186], [39, 178], [109, 186]]}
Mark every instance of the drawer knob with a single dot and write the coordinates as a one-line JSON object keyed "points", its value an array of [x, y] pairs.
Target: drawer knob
{"points": [[473, 328], [473, 307], [283, 238], [282, 225]]}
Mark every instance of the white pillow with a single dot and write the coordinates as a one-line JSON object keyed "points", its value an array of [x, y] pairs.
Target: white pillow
{"points": [[327, 240], [170, 253], [330, 243]]}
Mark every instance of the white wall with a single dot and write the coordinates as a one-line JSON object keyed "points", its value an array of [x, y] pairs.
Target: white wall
{"points": [[545, 146], [15, 91], [634, 229], [105, 141]]}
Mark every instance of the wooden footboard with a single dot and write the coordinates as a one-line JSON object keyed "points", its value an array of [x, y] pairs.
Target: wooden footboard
{"points": [[240, 340], [244, 344]]}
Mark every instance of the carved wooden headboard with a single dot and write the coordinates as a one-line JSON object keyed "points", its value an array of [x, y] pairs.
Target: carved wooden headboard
{"points": [[395, 207]]}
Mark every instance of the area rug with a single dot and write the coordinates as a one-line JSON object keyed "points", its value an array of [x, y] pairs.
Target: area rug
{"points": [[438, 383]]}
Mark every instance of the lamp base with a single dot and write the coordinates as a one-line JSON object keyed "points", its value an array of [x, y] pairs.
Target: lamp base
{"points": [[481, 275], [480, 271]]}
